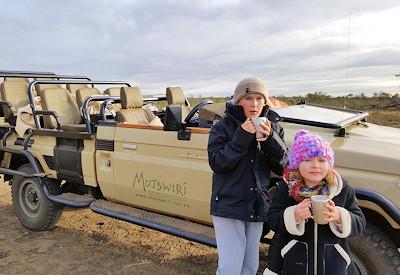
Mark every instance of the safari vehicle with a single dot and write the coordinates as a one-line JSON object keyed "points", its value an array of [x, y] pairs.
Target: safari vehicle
{"points": [[158, 176]]}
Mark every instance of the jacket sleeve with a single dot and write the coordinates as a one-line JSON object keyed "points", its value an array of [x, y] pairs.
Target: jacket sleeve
{"points": [[275, 149], [225, 152], [280, 217], [353, 220]]}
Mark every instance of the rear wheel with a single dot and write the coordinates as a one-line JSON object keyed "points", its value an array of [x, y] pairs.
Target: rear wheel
{"points": [[30, 204], [374, 253]]}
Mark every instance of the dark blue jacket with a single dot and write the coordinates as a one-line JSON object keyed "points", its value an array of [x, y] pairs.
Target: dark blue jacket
{"points": [[242, 167]]}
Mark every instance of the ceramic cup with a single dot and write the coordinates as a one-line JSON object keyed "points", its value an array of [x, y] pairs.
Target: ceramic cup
{"points": [[257, 123], [318, 206]]}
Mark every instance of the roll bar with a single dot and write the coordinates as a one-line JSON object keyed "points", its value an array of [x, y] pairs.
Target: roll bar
{"points": [[43, 75], [24, 72], [35, 112]]}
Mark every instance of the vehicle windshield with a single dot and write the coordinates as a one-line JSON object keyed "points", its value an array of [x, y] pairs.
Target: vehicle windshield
{"points": [[323, 116]]}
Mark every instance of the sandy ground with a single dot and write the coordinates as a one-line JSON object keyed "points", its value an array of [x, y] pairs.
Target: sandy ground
{"points": [[87, 243]]}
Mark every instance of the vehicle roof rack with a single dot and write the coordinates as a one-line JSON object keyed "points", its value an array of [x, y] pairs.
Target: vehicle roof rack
{"points": [[24, 72], [40, 75]]}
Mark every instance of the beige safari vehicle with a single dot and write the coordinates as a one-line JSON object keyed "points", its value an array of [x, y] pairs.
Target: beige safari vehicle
{"points": [[150, 167]]}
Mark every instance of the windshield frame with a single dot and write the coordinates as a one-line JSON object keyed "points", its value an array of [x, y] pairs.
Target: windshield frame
{"points": [[352, 116]]}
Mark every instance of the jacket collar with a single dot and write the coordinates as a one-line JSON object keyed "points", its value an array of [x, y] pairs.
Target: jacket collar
{"points": [[335, 190], [236, 113]]}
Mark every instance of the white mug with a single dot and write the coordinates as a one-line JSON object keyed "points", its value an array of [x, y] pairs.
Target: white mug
{"points": [[257, 123]]}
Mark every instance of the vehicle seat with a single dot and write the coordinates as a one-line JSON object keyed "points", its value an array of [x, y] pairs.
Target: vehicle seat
{"points": [[175, 96], [132, 111], [61, 101], [83, 93], [15, 93]]}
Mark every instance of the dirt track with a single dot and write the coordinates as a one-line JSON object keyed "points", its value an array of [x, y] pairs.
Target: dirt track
{"points": [[87, 243]]}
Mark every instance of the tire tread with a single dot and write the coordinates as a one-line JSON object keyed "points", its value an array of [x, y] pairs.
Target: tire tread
{"points": [[383, 246]]}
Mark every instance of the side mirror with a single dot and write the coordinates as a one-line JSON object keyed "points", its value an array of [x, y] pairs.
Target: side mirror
{"points": [[173, 122], [173, 118]]}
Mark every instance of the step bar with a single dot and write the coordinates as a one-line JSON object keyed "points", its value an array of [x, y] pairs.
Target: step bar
{"points": [[69, 199], [185, 229], [174, 226]]}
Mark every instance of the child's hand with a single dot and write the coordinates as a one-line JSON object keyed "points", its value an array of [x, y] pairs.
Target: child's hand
{"points": [[332, 213], [248, 126], [302, 210]]}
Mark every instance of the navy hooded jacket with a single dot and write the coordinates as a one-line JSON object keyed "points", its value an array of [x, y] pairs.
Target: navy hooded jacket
{"points": [[242, 166]]}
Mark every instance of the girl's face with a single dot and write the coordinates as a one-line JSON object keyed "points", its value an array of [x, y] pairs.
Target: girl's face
{"points": [[314, 170], [252, 104]]}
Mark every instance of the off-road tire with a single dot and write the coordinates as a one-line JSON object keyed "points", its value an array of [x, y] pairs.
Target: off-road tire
{"points": [[30, 204], [374, 253]]}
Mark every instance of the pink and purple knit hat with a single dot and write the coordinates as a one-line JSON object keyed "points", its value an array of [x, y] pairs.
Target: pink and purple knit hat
{"points": [[306, 146]]}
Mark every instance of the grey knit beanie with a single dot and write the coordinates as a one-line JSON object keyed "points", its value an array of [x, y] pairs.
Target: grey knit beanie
{"points": [[250, 85]]}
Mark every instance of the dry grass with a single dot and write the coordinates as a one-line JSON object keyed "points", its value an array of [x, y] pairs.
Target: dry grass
{"points": [[383, 109], [383, 117]]}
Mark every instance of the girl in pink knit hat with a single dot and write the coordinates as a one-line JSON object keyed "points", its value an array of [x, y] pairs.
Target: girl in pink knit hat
{"points": [[304, 246]]}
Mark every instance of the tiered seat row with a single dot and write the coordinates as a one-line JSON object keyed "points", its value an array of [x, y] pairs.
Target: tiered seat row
{"points": [[67, 102]]}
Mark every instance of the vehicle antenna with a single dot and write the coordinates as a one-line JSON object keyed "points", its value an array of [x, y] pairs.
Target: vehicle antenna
{"points": [[347, 62]]}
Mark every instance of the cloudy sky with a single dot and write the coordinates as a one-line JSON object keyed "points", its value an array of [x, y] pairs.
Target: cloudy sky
{"points": [[207, 46]]}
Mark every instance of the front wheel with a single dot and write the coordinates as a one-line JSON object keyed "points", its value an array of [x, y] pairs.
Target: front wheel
{"points": [[30, 204], [374, 253]]}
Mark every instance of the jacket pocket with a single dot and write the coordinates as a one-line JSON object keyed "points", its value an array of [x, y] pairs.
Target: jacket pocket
{"points": [[336, 260], [295, 258]]}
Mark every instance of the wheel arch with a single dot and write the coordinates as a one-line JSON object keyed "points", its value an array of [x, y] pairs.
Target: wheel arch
{"points": [[19, 158], [381, 212], [379, 221]]}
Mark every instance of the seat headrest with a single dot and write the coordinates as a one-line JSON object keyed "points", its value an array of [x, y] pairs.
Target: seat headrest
{"points": [[72, 88], [175, 96], [17, 79], [83, 93], [39, 87], [113, 91], [131, 97]]}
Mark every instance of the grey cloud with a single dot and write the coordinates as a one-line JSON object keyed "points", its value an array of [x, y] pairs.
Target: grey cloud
{"points": [[206, 46]]}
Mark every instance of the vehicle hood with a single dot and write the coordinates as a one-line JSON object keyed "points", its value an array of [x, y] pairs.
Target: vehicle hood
{"points": [[374, 131], [370, 146]]}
